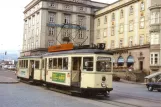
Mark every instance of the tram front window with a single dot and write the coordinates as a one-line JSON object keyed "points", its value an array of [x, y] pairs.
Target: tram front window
{"points": [[88, 63], [103, 66]]}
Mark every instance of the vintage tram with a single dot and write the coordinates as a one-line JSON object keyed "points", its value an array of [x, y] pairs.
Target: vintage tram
{"points": [[86, 71]]}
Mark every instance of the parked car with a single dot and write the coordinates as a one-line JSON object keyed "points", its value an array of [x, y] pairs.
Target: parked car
{"points": [[154, 85], [12, 67]]}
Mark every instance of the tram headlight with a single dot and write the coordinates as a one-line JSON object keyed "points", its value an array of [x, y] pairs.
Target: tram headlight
{"points": [[103, 78], [103, 85]]}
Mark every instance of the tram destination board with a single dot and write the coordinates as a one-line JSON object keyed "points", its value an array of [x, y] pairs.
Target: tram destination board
{"points": [[103, 58], [58, 77]]}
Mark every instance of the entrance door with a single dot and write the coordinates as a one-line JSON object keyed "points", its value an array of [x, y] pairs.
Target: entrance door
{"points": [[32, 67], [76, 71], [141, 65]]}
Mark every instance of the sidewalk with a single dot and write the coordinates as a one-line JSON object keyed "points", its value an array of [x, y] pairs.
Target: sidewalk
{"points": [[131, 82], [7, 80]]}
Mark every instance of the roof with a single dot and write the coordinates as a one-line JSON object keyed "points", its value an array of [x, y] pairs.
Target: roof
{"points": [[79, 51], [153, 75]]}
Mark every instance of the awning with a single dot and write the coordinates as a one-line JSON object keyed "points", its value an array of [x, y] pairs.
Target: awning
{"points": [[120, 60], [130, 59], [153, 75]]}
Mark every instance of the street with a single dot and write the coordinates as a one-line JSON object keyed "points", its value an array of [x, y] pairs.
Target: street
{"points": [[123, 95]]}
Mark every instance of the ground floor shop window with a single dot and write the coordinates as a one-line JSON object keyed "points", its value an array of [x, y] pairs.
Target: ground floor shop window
{"points": [[130, 61], [120, 61]]}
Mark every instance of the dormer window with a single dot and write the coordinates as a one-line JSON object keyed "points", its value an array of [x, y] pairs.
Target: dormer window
{"points": [[142, 6], [121, 14], [131, 10], [113, 16]]}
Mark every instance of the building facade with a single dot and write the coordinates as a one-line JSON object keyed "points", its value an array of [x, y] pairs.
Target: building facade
{"points": [[131, 29], [53, 22]]}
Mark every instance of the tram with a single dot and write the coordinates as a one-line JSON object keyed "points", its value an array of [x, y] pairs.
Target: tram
{"points": [[85, 71]]}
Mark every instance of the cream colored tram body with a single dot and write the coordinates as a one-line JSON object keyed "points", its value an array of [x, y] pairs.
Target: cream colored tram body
{"points": [[82, 70], [29, 68]]}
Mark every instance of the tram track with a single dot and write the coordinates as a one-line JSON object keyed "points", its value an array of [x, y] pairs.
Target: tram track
{"points": [[137, 97], [108, 100]]}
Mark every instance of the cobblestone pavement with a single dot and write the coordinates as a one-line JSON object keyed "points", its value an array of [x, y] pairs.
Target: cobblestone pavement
{"points": [[7, 76], [23, 95]]}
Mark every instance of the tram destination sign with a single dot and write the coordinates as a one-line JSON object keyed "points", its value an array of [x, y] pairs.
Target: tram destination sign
{"points": [[103, 58], [58, 77]]}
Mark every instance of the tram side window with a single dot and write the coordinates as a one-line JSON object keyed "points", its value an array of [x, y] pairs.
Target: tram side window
{"points": [[50, 63], [88, 63], [20, 63], [59, 63], [26, 66], [37, 63], [55, 63], [43, 63], [65, 63]]}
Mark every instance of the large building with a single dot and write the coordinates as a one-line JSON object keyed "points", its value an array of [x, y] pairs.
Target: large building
{"points": [[131, 29], [53, 22]]}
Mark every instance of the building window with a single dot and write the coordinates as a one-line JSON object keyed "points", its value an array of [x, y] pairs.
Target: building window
{"points": [[113, 16], [121, 43], [142, 6], [154, 58], [33, 20], [112, 31], [105, 20], [130, 61], [52, 5], [104, 32], [142, 23], [142, 40], [121, 28], [98, 22], [155, 17], [66, 19], [51, 31], [131, 25], [25, 36], [130, 41], [98, 34], [81, 9], [51, 17], [50, 43], [67, 33], [81, 20], [112, 44], [131, 10], [121, 14], [120, 61], [37, 31], [81, 36], [67, 7], [37, 44], [32, 32], [154, 38]]}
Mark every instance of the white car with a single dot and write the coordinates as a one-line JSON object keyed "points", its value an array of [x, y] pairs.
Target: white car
{"points": [[12, 67]]}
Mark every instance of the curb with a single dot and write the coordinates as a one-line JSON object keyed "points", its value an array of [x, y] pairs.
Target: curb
{"points": [[128, 82], [9, 82]]}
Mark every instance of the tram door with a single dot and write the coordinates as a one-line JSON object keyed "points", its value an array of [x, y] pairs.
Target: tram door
{"points": [[31, 69], [45, 68], [76, 71]]}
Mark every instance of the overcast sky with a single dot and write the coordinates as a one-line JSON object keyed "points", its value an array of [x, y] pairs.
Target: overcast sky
{"points": [[11, 23]]}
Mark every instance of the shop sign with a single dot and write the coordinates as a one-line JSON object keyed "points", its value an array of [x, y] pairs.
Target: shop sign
{"points": [[59, 77]]}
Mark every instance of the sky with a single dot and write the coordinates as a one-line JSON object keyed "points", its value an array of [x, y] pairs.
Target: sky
{"points": [[11, 24]]}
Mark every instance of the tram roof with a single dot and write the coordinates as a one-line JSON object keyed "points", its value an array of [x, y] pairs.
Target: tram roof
{"points": [[29, 57], [79, 51]]}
